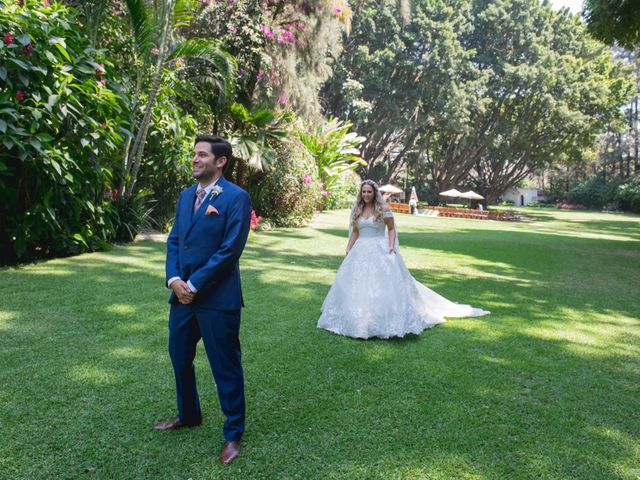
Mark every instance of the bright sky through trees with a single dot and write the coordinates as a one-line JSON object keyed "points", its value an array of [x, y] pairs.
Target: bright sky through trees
{"points": [[574, 5]]}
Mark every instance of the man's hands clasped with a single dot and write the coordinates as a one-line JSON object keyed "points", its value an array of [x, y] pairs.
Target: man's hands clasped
{"points": [[182, 291]]}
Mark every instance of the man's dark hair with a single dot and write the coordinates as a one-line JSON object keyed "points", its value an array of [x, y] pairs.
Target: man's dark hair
{"points": [[220, 148]]}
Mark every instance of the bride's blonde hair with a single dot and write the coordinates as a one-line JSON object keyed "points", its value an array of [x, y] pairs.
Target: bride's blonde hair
{"points": [[378, 204]]}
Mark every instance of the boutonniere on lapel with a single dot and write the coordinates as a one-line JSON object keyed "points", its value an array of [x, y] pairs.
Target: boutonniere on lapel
{"points": [[215, 191], [211, 210]]}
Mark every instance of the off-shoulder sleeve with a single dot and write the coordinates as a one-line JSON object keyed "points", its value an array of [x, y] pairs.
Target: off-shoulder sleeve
{"points": [[388, 214]]}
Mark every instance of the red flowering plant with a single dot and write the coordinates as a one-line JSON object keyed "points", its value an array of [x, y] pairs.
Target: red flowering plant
{"points": [[51, 109], [255, 220]]}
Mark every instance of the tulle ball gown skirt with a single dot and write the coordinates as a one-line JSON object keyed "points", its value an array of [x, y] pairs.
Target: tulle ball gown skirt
{"points": [[374, 295]]}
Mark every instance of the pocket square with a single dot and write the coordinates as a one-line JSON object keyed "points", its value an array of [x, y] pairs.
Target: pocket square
{"points": [[211, 210]]}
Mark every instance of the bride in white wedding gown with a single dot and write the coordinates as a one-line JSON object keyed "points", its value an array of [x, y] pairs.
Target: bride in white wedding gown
{"points": [[373, 294]]}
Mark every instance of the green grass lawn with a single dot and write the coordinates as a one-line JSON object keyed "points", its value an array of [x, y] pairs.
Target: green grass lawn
{"points": [[546, 387]]}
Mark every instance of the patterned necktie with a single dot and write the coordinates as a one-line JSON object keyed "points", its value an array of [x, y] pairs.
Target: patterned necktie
{"points": [[199, 198]]}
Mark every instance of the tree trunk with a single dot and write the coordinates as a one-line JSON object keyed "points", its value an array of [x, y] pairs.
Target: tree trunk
{"points": [[636, 165], [242, 172], [138, 146]]}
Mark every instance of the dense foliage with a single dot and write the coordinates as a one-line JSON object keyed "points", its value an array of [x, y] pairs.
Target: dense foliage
{"points": [[100, 101], [614, 21], [473, 91], [60, 126], [290, 193]]}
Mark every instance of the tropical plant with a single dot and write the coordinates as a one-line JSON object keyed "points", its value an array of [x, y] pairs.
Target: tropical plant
{"points": [[167, 167], [344, 193], [59, 127], [253, 135], [158, 50], [281, 47], [334, 149]]}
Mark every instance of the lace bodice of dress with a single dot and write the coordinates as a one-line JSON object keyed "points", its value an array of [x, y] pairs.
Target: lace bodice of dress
{"points": [[368, 227]]}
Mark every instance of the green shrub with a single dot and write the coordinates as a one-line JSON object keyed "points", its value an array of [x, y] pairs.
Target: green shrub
{"points": [[130, 215], [628, 194], [593, 192], [167, 167], [335, 150], [344, 193], [59, 130], [289, 193]]}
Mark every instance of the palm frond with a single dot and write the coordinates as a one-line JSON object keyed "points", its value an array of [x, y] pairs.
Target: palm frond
{"points": [[212, 52], [141, 24], [183, 12]]}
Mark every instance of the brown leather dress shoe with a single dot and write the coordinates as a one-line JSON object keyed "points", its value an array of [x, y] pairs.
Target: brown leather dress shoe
{"points": [[229, 452], [173, 424]]}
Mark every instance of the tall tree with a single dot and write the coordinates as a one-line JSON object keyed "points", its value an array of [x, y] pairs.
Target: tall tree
{"points": [[400, 76], [499, 89], [614, 21]]}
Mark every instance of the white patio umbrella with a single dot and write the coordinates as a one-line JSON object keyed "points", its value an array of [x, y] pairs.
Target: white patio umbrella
{"points": [[451, 193], [390, 189], [471, 195]]}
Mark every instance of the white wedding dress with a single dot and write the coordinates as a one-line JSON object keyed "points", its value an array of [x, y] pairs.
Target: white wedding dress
{"points": [[374, 295]]}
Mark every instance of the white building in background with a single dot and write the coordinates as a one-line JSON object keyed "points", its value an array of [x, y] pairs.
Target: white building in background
{"points": [[521, 196]]}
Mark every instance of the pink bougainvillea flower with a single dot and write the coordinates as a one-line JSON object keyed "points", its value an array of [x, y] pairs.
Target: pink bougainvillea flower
{"points": [[233, 28], [283, 97], [102, 82], [19, 95], [325, 193], [8, 38], [267, 31], [306, 179], [286, 36], [338, 10]]}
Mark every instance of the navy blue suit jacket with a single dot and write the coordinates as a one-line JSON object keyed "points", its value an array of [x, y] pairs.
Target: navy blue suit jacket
{"points": [[205, 249]]}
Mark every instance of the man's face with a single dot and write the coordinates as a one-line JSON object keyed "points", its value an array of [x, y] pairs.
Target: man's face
{"points": [[204, 164]]}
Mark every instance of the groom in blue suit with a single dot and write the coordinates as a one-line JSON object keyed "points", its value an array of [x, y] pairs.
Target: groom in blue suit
{"points": [[208, 236]]}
